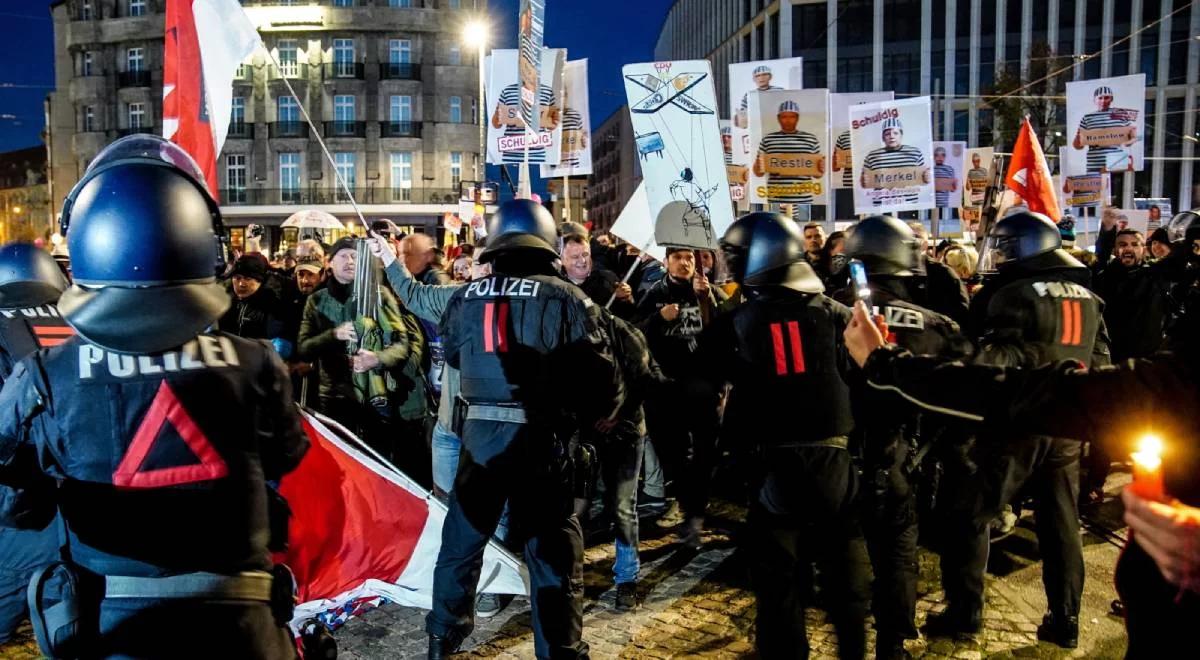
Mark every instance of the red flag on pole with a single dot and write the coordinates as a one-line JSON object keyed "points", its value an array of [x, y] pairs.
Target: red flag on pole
{"points": [[1029, 176], [204, 42]]}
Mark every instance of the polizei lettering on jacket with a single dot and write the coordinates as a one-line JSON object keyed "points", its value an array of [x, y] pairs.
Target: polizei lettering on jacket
{"points": [[43, 312], [203, 352], [1061, 290], [512, 287]]}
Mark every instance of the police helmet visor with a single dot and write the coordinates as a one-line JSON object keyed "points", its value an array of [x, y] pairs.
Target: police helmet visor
{"points": [[997, 251], [1177, 227]]}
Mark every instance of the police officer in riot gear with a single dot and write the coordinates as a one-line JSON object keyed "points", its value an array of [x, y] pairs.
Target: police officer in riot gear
{"points": [[889, 431], [1035, 310], [161, 433], [30, 284], [509, 334], [782, 347]]}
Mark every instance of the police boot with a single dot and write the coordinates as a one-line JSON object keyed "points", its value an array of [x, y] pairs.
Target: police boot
{"points": [[442, 647], [1060, 630], [954, 623]]}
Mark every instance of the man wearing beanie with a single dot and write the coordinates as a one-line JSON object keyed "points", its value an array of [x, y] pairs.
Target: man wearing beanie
{"points": [[254, 313], [334, 335]]}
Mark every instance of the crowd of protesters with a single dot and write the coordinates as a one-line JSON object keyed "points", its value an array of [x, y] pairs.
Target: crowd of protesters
{"points": [[663, 455]]}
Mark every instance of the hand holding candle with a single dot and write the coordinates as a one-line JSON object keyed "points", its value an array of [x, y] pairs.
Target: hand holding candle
{"points": [[1147, 468]]}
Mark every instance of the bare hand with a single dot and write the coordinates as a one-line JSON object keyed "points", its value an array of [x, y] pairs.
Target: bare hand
{"points": [[1170, 534], [606, 425], [1108, 218], [863, 335], [379, 247], [345, 332], [669, 312], [364, 361], [623, 291], [700, 283]]}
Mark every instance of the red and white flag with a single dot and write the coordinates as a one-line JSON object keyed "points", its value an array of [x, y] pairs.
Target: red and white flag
{"points": [[361, 529], [204, 43], [1029, 176]]}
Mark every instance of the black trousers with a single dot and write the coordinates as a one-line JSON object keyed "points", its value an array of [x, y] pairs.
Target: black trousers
{"points": [[683, 427], [890, 524], [804, 514], [405, 443], [529, 472], [1159, 617], [1046, 468]]}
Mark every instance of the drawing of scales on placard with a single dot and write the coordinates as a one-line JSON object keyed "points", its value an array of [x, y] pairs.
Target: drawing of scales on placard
{"points": [[672, 107]]}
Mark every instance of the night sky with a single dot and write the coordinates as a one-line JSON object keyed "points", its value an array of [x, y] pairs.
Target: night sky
{"points": [[609, 33]]}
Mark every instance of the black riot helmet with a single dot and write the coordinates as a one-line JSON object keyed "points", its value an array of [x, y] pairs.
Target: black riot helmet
{"points": [[1022, 237], [145, 239], [29, 276], [1183, 226], [767, 249], [521, 225], [884, 244]]}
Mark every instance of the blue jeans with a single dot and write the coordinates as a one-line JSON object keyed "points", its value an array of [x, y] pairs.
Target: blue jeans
{"points": [[446, 450], [620, 465]]}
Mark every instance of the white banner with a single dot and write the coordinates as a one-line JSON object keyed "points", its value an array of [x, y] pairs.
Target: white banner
{"points": [[635, 227], [672, 107], [507, 137], [746, 78], [840, 161], [1106, 125], [789, 135], [576, 150], [893, 156]]}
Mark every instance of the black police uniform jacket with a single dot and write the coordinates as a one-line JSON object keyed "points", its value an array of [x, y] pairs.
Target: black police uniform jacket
{"points": [[529, 340], [23, 331], [780, 350], [163, 461]]}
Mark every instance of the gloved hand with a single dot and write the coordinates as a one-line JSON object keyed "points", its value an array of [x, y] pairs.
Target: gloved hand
{"points": [[282, 346]]}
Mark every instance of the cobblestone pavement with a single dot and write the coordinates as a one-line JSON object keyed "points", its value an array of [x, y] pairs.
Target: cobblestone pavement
{"points": [[698, 604]]}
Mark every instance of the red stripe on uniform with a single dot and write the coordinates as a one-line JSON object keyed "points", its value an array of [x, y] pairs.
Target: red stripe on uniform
{"points": [[797, 347], [48, 342], [54, 330], [502, 327], [1066, 320], [1077, 323], [780, 353], [487, 328]]}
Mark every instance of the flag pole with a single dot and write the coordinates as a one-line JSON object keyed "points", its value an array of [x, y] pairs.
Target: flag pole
{"points": [[320, 141]]}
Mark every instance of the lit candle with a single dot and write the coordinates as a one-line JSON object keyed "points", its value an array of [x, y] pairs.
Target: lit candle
{"points": [[1147, 468]]}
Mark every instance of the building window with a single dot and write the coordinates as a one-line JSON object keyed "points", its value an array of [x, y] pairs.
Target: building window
{"points": [[399, 3], [343, 3], [455, 55], [344, 162], [289, 58], [455, 109], [343, 57], [401, 109], [85, 10], [89, 119], [235, 178], [288, 109], [289, 177], [240, 73], [237, 114], [137, 8], [474, 111], [401, 173], [454, 4], [135, 59], [343, 110], [137, 115], [455, 169], [399, 51]]}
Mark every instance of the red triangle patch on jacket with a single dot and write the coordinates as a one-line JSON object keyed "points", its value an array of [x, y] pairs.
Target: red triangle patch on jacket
{"points": [[166, 409]]}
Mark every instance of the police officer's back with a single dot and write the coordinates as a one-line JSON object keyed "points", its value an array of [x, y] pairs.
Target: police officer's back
{"points": [[782, 353], [30, 284], [162, 434], [514, 336]]}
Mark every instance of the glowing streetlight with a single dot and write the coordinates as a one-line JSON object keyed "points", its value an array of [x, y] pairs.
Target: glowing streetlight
{"points": [[475, 33]]}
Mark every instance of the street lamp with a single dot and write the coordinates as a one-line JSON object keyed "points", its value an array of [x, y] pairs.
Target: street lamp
{"points": [[476, 34]]}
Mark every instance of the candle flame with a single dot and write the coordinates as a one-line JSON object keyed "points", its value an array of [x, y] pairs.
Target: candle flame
{"points": [[1149, 453]]}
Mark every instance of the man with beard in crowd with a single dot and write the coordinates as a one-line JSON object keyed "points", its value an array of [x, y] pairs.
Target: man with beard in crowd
{"points": [[255, 312], [307, 277], [683, 424]]}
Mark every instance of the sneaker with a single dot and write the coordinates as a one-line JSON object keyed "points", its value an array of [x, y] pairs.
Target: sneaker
{"points": [[691, 537], [954, 624], [489, 605], [672, 517], [1063, 631], [627, 600]]}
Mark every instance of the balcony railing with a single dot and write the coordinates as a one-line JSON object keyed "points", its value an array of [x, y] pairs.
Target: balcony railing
{"points": [[345, 70], [332, 195], [399, 71], [400, 129], [350, 129], [287, 129], [289, 70], [240, 129], [134, 78]]}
